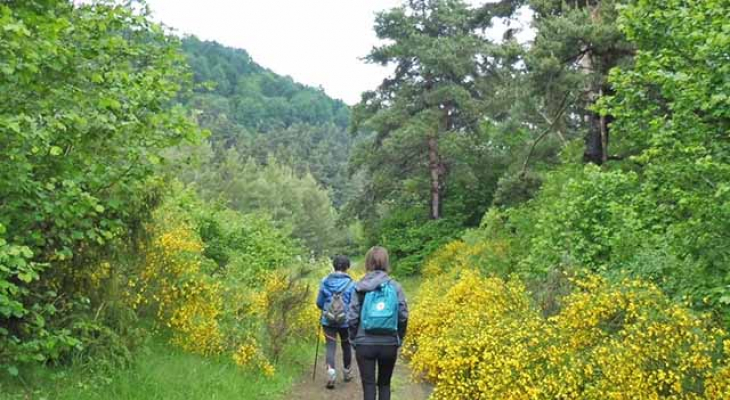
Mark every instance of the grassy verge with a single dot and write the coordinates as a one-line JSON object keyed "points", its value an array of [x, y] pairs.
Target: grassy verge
{"points": [[159, 372], [410, 286]]}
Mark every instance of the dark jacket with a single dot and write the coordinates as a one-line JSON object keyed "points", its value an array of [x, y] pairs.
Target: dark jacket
{"points": [[357, 335], [336, 282]]}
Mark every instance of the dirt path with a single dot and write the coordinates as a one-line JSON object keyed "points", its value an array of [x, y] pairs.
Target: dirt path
{"points": [[403, 387]]}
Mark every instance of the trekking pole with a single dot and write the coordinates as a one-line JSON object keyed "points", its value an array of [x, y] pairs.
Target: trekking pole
{"points": [[316, 356]]}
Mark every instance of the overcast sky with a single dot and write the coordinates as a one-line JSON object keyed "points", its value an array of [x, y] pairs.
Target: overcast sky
{"points": [[316, 42]]}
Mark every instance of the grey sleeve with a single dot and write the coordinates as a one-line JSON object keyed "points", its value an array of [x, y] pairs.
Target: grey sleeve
{"points": [[402, 313], [353, 315]]}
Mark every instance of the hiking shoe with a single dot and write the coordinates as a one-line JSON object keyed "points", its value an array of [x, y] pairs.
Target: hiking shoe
{"points": [[347, 372], [331, 377]]}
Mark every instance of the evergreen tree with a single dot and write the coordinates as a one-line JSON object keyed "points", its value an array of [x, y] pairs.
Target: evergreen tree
{"points": [[433, 95]]}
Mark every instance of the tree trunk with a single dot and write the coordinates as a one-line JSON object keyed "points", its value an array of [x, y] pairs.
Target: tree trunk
{"points": [[596, 140], [604, 135], [593, 152], [434, 166]]}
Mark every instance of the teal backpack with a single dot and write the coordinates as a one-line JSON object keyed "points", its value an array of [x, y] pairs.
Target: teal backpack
{"points": [[380, 310]]}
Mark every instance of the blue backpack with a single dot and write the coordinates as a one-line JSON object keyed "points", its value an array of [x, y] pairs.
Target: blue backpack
{"points": [[380, 310]]}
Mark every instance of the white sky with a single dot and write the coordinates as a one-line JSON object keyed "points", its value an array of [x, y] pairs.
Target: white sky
{"points": [[316, 42]]}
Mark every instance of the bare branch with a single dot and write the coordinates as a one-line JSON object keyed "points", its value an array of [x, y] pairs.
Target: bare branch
{"points": [[561, 111]]}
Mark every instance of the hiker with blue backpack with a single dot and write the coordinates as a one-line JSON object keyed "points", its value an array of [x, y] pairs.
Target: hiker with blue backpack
{"points": [[377, 319], [335, 294]]}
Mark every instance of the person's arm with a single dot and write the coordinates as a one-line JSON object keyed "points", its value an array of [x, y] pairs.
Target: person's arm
{"points": [[402, 313], [353, 315]]}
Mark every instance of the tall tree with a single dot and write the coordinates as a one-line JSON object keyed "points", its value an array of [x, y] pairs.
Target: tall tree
{"points": [[577, 44], [437, 50]]}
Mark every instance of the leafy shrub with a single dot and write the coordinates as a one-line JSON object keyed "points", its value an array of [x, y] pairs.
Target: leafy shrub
{"points": [[514, 189], [172, 283], [608, 222], [243, 246], [250, 301], [79, 138], [285, 304], [671, 113]]}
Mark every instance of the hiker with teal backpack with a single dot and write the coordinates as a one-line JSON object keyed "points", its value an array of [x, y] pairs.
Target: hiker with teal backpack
{"points": [[335, 294], [377, 319]]}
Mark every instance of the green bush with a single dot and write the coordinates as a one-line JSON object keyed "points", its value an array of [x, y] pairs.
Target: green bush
{"points": [[87, 106], [410, 237]]}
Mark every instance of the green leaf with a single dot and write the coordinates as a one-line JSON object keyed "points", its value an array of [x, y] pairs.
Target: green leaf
{"points": [[56, 151], [25, 277], [13, 371], [14, 126], [26, 252]]}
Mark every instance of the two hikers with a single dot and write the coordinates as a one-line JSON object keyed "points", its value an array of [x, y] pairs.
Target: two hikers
{"points": [[377, 319]]}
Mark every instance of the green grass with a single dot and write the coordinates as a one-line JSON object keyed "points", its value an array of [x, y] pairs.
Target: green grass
{"points": [[159, 372]]}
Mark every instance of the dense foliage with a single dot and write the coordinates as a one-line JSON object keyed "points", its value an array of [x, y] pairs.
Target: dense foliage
{"points": [[296, 203], [251, 97], [223, 282], [672, 116], [86, 108], [97, 239], [610, 281], [570, 312]]}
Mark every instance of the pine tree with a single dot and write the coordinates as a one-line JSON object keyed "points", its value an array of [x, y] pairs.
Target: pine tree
{"points": [[437, 51]]}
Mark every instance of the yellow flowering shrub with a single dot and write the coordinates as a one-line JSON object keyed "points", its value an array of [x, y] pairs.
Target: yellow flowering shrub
{"points": [[718, 384], [212, 307], [458, 253], [468, 334], [480, 337], [445, 258], [250, 354], [184, 298], [286, 305]]}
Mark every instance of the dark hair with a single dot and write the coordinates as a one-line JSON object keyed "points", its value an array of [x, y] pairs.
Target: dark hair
{"points": [[341, 263], [377, 260]]}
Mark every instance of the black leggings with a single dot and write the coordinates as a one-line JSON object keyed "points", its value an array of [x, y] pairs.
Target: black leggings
{"points": [[368, 356], [331, 338]]}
